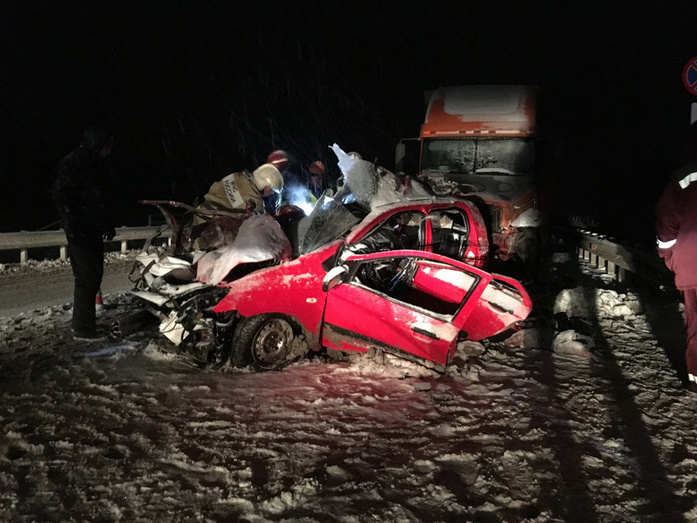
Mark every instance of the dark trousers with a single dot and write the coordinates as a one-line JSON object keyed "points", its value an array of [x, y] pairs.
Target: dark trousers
{"points": [[87, 262], [690, 300]]}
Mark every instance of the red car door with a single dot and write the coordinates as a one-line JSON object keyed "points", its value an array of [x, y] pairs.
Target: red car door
{"points": [[409, 303]]}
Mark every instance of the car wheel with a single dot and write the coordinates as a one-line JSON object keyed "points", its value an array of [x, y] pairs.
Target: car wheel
{"points": [[266, 342]]}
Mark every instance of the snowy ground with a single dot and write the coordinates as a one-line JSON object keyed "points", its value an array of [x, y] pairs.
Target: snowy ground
{"points": [[48, 282], [593, 426]]}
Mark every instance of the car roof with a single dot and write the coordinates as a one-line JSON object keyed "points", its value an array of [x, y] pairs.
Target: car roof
{"points": [[407, 204]]}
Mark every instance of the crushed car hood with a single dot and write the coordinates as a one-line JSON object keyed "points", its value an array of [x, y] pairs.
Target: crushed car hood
{"points": [[259, 239]]}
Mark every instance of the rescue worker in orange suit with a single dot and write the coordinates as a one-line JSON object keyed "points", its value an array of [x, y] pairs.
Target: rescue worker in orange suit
{"points": [[80, 193], [676, 229], [318, 181]]}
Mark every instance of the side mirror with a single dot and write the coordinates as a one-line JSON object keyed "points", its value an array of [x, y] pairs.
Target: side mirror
{"points": [[334, 277]]}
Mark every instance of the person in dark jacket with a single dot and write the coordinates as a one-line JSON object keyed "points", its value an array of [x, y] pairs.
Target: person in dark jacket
{"points": [[79, 195], [676, 231]]}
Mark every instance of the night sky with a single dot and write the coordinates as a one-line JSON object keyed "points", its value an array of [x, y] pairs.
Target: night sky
{"points": [[193, 90]]}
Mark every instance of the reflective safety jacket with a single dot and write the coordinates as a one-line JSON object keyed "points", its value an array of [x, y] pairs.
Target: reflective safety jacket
{"points": [[676, 226], [235, 192]]}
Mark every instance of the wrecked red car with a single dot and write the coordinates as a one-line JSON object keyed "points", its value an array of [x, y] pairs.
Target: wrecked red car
{"points": [[404, 278]]}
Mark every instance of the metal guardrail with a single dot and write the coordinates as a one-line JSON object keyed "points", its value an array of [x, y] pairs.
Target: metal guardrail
{"points": [[596, 249], [23, 241], [618, 259]]}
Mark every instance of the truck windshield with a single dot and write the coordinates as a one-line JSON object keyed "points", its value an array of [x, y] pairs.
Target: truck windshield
{"points": [[478, 156]]}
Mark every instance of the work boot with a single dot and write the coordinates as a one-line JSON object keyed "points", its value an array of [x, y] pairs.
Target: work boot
{"points": [[81, 335]]}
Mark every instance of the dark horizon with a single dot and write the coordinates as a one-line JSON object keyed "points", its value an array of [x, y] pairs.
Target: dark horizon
{"points": [[193, 91]]}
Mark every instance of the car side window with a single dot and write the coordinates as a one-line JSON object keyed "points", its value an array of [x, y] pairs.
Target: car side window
{"points": [[435, 287], [449, 233], [399, 231]]}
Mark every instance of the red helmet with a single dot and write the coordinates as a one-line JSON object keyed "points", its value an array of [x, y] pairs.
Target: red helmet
{"points": [[278, 158], [317, 168]]}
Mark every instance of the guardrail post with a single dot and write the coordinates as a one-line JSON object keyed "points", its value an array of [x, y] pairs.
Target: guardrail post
{"points": [[24, 255], [64, 252], [124, 246]]}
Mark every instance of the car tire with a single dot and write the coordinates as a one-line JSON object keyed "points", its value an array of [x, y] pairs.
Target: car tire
{"points": [[267, 342]]}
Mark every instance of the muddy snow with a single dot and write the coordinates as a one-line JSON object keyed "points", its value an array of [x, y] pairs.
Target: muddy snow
{"points": [[582, 416]]}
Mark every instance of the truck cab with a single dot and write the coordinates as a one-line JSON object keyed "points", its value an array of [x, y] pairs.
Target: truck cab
{"points": [[478, 142]]}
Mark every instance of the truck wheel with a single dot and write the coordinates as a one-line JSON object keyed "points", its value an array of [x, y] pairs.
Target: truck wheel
{"points": [[266, 342]]}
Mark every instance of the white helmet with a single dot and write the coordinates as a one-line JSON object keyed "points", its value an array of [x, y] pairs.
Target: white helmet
{"points": [[267, 175]]}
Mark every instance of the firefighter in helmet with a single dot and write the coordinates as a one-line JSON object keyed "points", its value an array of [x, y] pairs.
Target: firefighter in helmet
{"points": [[255, 192]]}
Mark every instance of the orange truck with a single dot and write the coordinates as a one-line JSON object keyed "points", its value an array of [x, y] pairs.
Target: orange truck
{"points": [[478, 142]]}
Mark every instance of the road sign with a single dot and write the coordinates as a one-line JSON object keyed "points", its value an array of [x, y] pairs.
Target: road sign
{"points": [[689, 76]]}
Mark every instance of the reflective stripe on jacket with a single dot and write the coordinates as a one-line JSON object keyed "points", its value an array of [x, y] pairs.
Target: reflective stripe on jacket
{"points": [[676, 226]]}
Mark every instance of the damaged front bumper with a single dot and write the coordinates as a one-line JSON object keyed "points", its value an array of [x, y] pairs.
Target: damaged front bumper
{"points": [[183, 308]]}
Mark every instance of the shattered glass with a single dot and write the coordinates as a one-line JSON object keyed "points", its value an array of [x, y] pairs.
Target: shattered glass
{"points": [[360, 176], [328, 221]]}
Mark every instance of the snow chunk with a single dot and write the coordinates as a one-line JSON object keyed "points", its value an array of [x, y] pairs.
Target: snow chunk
{"points": [[469, 348], [572, 343], [593, 303], [534, 338]]}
